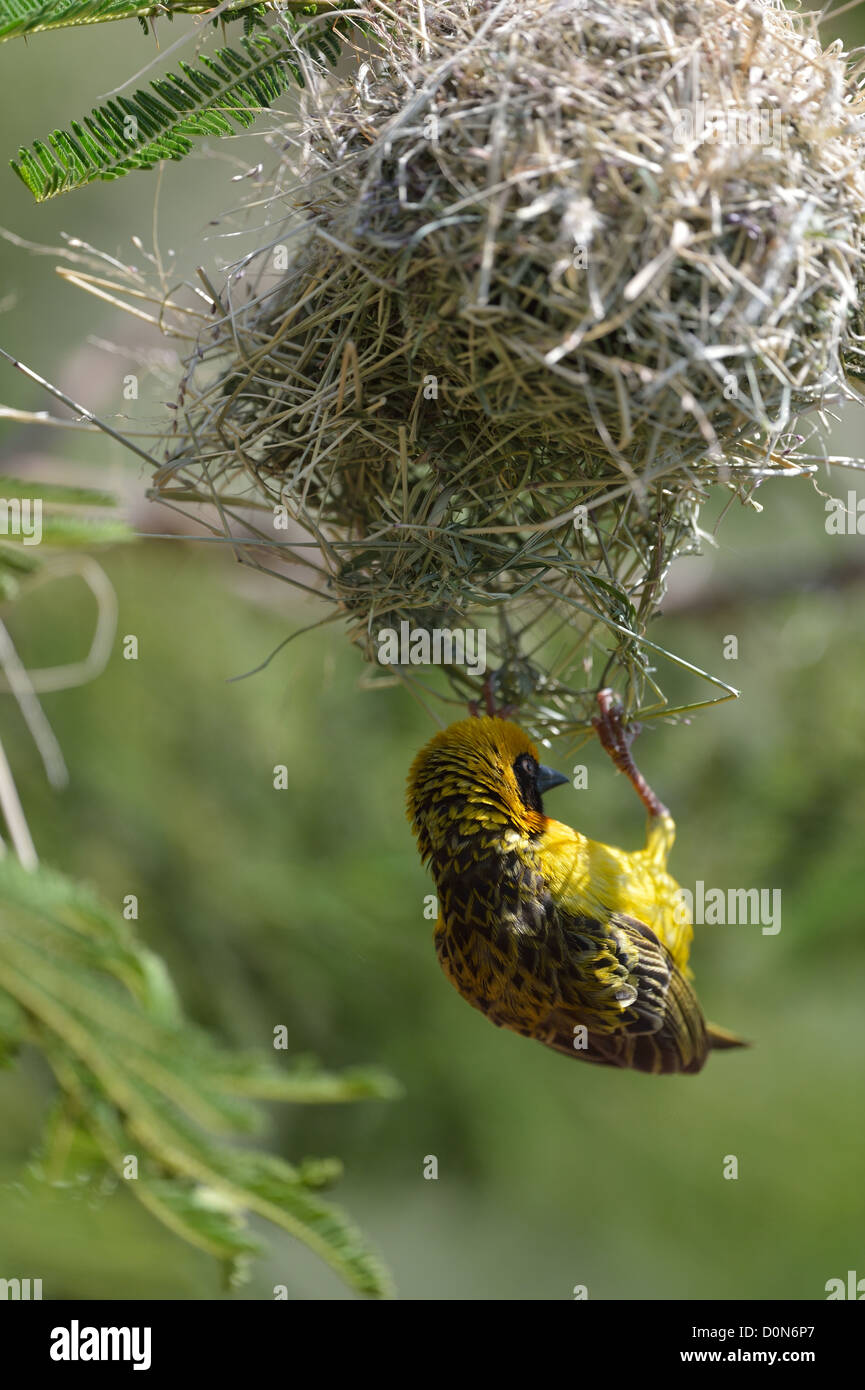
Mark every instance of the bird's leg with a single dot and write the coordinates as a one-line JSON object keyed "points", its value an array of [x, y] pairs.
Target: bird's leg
{"points": [[616, 739], [489, 691], [489, 698]]}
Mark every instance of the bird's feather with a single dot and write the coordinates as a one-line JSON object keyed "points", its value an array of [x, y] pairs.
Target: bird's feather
{"points": [[576, 944]]}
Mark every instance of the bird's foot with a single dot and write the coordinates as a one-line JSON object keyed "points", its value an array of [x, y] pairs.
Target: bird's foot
{"points": [[616, 738], [489, 693]]}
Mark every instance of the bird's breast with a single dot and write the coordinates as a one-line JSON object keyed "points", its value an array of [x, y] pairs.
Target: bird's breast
{"points": [[497, 936]]}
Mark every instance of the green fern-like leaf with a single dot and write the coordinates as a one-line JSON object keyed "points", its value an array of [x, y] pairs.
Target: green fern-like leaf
{"points": [[213, 98], [253, 18], [64, 522], [137, 1081], [61, 493], [20, 17]]}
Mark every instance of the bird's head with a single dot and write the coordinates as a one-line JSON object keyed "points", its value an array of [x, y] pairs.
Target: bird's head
{"points": [[479, 776]]}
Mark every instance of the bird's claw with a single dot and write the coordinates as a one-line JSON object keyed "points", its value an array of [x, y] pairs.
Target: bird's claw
{"points": [[505, 712], [615, 736]]}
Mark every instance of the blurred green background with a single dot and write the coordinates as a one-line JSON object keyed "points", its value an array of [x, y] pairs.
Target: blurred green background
{"points": [[305, 907]]}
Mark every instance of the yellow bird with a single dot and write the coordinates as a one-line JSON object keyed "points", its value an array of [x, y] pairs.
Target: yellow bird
{"points": [[577, 944]]}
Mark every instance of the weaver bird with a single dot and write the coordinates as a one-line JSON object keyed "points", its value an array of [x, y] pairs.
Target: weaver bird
{"points": [[577, 944]]}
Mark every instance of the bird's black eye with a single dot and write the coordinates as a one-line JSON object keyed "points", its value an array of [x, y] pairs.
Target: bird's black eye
{"points": [[526, 773]]}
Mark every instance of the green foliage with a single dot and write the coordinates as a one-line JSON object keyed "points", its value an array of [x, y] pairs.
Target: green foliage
{"points": [[21, 17], [213, 98], [66, 522], [139, 1082], [136, 132], [146, 1100], [56, 492]]}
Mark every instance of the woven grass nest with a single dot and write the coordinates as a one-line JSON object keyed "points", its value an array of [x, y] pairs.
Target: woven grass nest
{"points": [[554, 271]]}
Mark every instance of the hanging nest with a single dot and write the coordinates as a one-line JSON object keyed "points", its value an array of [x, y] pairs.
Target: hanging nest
{"points": [[538, 276]]}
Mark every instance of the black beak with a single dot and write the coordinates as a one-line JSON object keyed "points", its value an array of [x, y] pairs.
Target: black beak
{"points": [[549, 778]]}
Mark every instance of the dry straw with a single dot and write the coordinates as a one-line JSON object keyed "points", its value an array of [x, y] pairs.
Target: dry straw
{"points": [[537, 277]]}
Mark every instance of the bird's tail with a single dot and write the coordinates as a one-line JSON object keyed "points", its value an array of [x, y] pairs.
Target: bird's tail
{"points": [[721, 1038]]}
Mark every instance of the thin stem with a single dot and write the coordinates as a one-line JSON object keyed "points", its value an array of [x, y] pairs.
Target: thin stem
{"points": [[41, 731], [13, 814]]}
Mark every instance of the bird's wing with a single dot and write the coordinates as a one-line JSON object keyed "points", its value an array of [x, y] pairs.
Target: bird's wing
{"points": [[642, 963], [594, 985], [611, 974], [603, 991], [635, 1005]]}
